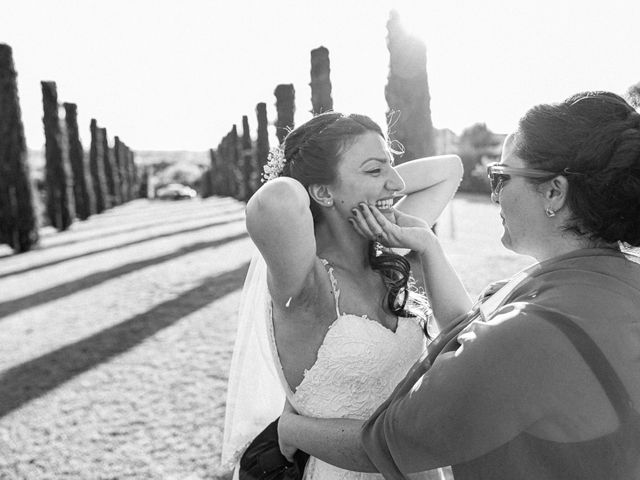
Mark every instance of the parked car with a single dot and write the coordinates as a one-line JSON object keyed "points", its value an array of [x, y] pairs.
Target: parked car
{"points": [[175, 191]]}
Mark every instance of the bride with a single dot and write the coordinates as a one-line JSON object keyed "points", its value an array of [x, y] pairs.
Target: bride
{"points": [[328, 320]]}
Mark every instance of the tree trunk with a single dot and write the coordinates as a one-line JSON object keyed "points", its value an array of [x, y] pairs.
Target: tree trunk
{"points": [[407, 93], [321, 100], [59, 190], [82, 194], [97, 170], [18, 224], [286, 107]]}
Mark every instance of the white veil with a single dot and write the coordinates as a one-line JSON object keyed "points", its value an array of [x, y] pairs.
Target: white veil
{"points": [[255, 396]]}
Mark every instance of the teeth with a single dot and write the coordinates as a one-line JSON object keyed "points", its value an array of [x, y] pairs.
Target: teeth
{"points": [[384, 204]]}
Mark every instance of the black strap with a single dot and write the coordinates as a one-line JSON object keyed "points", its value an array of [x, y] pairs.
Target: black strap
{"points": [[594, 358]]}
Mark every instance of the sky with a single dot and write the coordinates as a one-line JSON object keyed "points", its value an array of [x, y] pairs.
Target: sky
{"points": [[176, 75]]}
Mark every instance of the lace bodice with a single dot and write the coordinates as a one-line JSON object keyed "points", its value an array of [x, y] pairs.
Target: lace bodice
{"points": [[358, 366]]}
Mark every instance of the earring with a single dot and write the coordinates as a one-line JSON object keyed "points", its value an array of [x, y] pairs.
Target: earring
{"points": [[329, 202], [550, 213]]}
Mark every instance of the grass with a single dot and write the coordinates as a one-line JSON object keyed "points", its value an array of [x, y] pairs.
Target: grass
{"points": [[117, 336]]}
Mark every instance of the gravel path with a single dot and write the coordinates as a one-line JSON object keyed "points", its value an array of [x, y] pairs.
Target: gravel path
{"points": [[116, 336]]}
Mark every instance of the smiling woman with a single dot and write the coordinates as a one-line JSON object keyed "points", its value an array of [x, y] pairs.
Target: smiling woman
{"points": [[342, 323]]}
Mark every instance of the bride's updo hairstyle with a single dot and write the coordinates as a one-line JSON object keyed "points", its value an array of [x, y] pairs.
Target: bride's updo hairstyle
{"points": [[312, 152], [593, 139]]}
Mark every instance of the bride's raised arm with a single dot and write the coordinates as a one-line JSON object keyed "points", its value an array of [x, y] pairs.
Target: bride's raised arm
{"points": [[280, 224], [430, 184]]}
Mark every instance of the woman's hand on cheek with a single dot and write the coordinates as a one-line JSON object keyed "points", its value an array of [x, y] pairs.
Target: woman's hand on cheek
{"points": [[393, 230], [288, 413]]}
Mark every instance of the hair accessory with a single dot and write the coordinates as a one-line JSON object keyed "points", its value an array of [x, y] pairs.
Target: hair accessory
{"points": [[550, 213], [275, 164]]}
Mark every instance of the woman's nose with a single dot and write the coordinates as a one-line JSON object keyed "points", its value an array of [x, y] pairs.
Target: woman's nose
{"points": [[395, 182]]}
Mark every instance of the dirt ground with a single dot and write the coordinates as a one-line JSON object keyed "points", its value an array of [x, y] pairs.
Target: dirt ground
{"points": [[116, 336]]}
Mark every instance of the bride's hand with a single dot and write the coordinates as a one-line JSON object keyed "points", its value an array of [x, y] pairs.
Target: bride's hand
{"points": [[287, 449], [396, 229]]}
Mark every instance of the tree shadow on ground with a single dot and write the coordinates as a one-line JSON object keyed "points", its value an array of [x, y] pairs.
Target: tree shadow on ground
{"points": [[50, 294], [33, 379], [128, 228], [119, 246]]}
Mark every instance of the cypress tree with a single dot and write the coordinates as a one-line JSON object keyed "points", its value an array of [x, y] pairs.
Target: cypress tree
{"points": [[82, 194], [143, 186], [286, 107], [110, 170], [236, 166], [226, 159], [218, 171], [120, 167], [59, 190], [407, 92], [321, 100], [96, 168], [213, 172], [262, 139], [133, 171], [250, 172], [18, 224], [129, 170]]}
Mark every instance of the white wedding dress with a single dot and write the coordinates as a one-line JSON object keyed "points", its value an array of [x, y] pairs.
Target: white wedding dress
{"points": [[358, 366]]}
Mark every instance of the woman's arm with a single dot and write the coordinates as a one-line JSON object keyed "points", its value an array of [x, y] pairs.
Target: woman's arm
{"points": [[447, 294], [430, 183], [280, 224], [334, 440]]}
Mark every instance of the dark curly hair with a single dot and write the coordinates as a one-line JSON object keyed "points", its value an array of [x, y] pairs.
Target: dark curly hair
{"points": [[312, 152], [593, 138]]}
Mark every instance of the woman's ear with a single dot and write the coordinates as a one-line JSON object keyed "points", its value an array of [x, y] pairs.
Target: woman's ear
{"points": [[321, 195], [556, 193]]}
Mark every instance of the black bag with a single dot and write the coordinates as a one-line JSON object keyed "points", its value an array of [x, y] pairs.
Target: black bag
{"points": [[262, 460]]}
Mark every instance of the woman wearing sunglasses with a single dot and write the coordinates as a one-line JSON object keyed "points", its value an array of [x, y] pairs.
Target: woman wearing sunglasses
{"points": [[544, 380]]}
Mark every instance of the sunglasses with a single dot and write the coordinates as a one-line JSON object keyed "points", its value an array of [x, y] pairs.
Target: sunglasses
{"points": [[499, 173]]}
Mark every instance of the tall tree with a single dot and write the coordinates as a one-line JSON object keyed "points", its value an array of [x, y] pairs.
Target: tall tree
{"points": [[262, 139], [143, 184], [321, 100], [82, 194], [96, 168], [286, 107], [110, 170], [407, 92], [59, 190], [18, 224], [135, 179], [120, 161], [236, 167], [250, 171]]}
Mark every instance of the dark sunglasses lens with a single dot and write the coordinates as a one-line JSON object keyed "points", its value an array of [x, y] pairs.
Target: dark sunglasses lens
{"points": [[496, 180]]}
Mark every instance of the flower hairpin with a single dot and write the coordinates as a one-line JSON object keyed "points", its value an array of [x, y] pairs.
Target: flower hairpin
{"points": [[275, 164]]}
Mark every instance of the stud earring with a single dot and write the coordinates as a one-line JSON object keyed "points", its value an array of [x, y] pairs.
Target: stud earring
{"points": [[329, 202], [550, 213]]}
